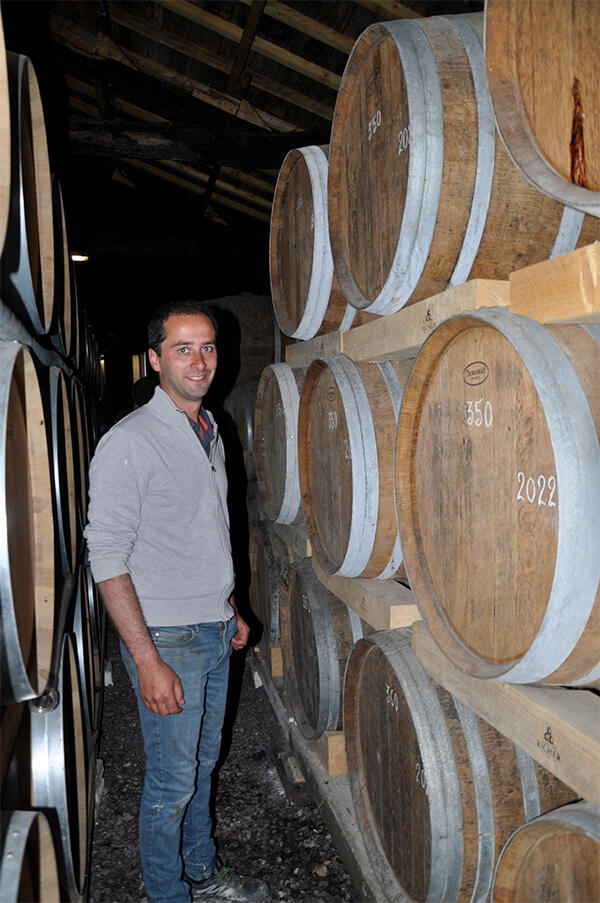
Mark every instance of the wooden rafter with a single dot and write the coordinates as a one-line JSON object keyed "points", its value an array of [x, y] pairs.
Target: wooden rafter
{"points": [[310, 27], [202, 54], [233, 32]]}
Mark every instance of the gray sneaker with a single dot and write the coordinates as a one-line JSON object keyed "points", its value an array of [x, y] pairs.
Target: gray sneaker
{"points": [[227, 884]]}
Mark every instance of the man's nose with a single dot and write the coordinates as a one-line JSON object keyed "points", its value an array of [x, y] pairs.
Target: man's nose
{"points": [[199, 360]]}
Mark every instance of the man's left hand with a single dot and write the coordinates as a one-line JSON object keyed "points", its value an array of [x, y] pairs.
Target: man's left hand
{"points": [[240, 637]]}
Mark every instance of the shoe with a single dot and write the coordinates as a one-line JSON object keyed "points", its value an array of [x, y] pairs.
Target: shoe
{"points": [[227, 884]]}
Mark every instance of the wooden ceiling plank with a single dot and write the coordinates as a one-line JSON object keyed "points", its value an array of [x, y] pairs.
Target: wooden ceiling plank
{"points": [[311, 27], [389, 9], [233, 32], [194, 188], [105, 48], [220, 63]]}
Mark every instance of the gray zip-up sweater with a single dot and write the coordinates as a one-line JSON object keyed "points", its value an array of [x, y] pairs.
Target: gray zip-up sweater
{"points": [[158, 512]]}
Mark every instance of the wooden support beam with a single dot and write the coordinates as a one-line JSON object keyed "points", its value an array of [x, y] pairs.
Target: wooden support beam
{"points": [[202, 54], [311, 27], [384, 604], [233, 32]]}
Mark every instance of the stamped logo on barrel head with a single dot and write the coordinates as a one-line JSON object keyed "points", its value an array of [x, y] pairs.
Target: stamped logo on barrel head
{"points": [[476, 373], [331, 393]]}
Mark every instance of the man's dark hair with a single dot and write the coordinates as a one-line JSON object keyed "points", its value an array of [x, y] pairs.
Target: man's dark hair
{"points": [[156, 326]]}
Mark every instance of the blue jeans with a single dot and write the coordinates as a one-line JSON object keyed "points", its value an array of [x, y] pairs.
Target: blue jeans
{"points": [[181, 753]]}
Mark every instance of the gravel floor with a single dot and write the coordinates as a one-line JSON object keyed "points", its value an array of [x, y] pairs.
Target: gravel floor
{"points": [[259, 831]]}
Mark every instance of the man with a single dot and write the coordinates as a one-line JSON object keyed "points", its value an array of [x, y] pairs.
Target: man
{"points": [[158, 540]]}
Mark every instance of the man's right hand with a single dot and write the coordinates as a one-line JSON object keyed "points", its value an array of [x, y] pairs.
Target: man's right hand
{"points": [[160, 687]]}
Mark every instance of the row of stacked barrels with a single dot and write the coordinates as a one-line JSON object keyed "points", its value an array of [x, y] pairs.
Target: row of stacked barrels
{"points": [[52, 624], [471, 472]]}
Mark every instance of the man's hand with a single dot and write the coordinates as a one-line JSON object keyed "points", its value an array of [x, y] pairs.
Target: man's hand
{"points": [[160, 688], [240, 637]]}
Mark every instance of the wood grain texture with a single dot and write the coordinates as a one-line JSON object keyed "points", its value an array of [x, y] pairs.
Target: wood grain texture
{"points": [[553, 859], [481, 494], [437, 791], [416, 91], [544, 72]]}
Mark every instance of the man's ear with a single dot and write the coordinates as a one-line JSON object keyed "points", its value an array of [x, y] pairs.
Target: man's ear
{"points": [[154, 359]]}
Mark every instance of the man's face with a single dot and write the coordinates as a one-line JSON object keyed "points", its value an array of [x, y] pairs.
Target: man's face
{"points": [[188, 359]]}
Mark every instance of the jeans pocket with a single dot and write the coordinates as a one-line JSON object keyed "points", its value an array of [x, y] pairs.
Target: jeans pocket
{"points": [[171, 637]]}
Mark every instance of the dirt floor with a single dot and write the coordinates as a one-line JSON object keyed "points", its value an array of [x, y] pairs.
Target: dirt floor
{"points": [[259, 831]]}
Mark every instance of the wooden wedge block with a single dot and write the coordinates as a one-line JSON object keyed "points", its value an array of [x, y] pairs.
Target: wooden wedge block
{"points": [[331, 752], [276, 661], [564, 287], [559, 728], [384, 604], [295, 536]]}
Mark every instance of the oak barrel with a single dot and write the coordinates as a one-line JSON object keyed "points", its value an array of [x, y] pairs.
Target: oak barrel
{"points": [[553, 859], [436, 790], [498, 495], [65, 298], [28, 257], [4, 141], [276, 441], [269, 558], [239, 404], [59, 768], [317, 633], [422, 193], [64, 431], [29, 868], [543, 70], [27, 583], [306, 296], [80, 628], [346, 425], [81, 450]]}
